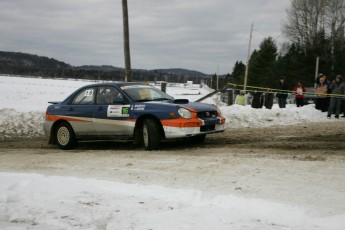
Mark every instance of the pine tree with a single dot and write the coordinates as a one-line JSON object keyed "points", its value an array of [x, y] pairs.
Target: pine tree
{"points": [[237, 75], [262, 64]]}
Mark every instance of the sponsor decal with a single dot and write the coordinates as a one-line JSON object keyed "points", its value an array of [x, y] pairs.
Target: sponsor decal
{"points": [[138, 107], [118, 111]]}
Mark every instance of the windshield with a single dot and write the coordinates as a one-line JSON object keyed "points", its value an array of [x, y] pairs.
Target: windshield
{"points": [[145, 93]]}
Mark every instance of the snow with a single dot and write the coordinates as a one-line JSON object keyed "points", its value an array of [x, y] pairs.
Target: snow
{"points": [[34, 201]]}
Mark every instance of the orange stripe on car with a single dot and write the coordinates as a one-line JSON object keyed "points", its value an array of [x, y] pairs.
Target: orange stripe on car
{"points": [[182, 122], [56, 117]]}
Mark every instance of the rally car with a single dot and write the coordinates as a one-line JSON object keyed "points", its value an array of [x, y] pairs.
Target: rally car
{"points": [[131, 111]]}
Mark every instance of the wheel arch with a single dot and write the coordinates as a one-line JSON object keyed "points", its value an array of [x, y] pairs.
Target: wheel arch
{"points": [[139, 124], [53, 129]]}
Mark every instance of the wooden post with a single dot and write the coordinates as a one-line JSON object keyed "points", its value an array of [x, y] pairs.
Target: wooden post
{"points": [[128, 72], [217, 87], [316, 70], [248, 57], [164, 86]]}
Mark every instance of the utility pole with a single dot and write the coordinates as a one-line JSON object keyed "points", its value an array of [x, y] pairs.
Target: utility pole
{"points": [[217, 78], [248, 57], [128, 71]]}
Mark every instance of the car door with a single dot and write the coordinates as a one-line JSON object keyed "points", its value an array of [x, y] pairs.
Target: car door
{"points": [[112, 116], [80, 112]]}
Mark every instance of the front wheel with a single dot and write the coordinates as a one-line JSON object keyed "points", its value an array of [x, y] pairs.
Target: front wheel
{"points": [[64, 136], [151, 135]]}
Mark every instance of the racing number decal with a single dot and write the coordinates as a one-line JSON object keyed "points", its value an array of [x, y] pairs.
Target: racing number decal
{"points": [[88, 93], [118, 111], [125, 110]]}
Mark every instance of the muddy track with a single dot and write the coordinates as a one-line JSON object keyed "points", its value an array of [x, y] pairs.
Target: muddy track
{"points": [[299, 164], [328, 136]]}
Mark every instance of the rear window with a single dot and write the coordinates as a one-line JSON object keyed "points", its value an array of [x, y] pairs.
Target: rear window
{"points": [[85, 97]]}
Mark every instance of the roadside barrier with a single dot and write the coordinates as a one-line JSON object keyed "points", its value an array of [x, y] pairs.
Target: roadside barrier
{"points": [[272, 90]]}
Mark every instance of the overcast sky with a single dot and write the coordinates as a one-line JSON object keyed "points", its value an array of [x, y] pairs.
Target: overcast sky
{"points": [[202, 35]]}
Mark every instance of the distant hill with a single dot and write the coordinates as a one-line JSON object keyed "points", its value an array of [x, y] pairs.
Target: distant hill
{"points": [[15, 59], [180, 71], [16, 63]]}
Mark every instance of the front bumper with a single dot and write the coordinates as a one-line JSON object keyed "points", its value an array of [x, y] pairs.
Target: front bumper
{"points": [[194, 127]]}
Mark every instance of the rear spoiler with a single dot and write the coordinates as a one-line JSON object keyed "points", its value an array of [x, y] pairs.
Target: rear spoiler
{"points": [[54, 102]]}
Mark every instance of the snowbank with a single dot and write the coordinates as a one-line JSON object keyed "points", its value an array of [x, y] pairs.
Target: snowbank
{"points": [[14, 123], [238, 116]]}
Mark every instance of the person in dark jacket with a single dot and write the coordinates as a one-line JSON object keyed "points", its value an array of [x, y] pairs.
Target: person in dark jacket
{"points": [[268, 99], [337, 88], [282, 95], [258, 100]]}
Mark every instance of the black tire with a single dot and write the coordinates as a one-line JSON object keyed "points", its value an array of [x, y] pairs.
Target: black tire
{"points": [[138, 136], [199, 139], [151, 135], [64, 136]]}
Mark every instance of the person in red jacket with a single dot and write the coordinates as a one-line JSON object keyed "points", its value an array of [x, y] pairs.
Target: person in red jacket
{"points": [[299, 91]]}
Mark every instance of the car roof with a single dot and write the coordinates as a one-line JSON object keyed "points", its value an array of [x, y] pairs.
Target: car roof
{"points": [[119, 84]]}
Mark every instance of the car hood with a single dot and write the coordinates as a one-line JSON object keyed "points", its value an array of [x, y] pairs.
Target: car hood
{"points": [[199, 107]]}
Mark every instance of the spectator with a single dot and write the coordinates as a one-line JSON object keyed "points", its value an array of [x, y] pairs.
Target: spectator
{"points": [[336, 88], [282, 95], [248, 98], [321, 91], [258, 100], [343, 107], [240, 100], [268, 102], [299, 92]]}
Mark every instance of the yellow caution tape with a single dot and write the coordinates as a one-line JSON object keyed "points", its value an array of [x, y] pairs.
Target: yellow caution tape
{"points": [[287, 91]]}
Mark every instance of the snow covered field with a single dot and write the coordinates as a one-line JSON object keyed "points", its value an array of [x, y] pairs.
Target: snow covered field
{"points": [[36, 201]]}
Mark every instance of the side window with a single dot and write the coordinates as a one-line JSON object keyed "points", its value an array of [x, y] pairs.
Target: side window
{"points": [[108, 95], [85, 97]]}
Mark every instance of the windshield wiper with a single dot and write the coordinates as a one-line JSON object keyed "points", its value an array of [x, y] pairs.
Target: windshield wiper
{"points": [[156, 99], [161, 99], [143, 100]]}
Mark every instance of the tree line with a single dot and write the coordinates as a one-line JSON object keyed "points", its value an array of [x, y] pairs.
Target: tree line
{"points": [[315, 29], [15, 63]]}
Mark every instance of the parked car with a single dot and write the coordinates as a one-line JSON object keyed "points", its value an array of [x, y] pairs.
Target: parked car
{"points": [[132, 111], [310, 96]]}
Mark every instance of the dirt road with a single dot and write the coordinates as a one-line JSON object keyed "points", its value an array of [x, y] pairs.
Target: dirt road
{"points": [[300, 164]]}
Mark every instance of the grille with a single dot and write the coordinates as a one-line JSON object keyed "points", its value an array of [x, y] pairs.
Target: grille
{"points": [[206, 128], [207, 114]]}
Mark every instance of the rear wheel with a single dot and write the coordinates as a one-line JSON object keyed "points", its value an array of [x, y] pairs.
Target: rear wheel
{"points": [[151, 135], [64, 136]]}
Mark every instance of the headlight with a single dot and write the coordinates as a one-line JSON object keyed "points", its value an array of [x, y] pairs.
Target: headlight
{"points": [[185, 113]]}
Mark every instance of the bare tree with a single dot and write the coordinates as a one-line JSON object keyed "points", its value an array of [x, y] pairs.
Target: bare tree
{"points": [[305, 20], [318, 26], [335, 21]]}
